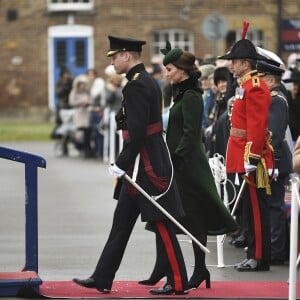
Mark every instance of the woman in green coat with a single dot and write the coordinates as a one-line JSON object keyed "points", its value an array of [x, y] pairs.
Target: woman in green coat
{"points": [[205, 211]]}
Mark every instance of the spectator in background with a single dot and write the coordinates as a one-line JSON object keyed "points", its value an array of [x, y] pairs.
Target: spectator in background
{"points": [[113, 100], [223, 124], [157, 73], [294, 104], [221, 76], [296, 157], [113, 92], [62, 90], [96, 86], [80, 99], [208, 95]]}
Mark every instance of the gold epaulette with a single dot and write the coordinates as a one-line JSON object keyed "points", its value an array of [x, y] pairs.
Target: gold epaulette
{"points": [[255, 81], [247, 76], [274, 93], [136, 76]]}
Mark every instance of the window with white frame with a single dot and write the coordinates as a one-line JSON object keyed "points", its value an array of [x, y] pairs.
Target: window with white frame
{"points": [[70, 5], [255, 36], [181, 38]]}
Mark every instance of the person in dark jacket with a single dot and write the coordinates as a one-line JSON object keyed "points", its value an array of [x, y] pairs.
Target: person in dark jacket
{"points": [[63, 88], [222, 77], [205, 211], [278, 122], [145, 158], [294, 104]]}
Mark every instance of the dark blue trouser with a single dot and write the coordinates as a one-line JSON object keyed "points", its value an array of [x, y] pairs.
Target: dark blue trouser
{"points": [[125, 216]]}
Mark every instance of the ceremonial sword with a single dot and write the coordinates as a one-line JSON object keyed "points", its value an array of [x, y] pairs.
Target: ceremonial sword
{"points": [[140, 189]]}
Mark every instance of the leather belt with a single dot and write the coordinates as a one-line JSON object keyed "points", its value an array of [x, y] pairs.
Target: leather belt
{"points": [[151, 129], [241, 133]]}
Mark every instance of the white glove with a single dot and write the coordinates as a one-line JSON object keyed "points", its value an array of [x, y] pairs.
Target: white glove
{"points": [[249, 168], [208, 131], [115, 171], [275, 173]]}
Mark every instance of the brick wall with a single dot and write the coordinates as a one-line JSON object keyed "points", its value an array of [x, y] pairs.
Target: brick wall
{"points": [[23, 42]]}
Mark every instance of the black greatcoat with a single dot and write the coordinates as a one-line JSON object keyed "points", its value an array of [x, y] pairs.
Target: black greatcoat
{"points": [[142, 106]]}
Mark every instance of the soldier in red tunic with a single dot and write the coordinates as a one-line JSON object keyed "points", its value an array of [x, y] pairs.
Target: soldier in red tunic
{"points": [[249, 151]]}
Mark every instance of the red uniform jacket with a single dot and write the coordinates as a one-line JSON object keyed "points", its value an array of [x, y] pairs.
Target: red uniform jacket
{"points": [[248, 141]]}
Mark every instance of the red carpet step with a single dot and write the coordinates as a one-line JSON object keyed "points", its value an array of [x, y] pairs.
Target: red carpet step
{"points": [[12, 282], [131, 289]]}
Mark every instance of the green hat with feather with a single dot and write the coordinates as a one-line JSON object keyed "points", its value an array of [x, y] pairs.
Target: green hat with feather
{"points": [[171, 55]]}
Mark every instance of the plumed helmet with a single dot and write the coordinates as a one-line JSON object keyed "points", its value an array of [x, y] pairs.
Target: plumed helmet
{"points": [[242, 49]]}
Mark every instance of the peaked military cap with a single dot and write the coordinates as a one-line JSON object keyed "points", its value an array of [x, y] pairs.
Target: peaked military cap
{"points": [[242, 49], [118, 44], [269, 67]]}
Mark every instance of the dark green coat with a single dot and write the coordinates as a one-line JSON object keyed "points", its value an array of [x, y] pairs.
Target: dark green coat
{"points": [[205, 211]]}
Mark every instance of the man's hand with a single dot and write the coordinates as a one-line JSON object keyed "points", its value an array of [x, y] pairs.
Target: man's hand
{"points": [[249, 168], [115, 171]]}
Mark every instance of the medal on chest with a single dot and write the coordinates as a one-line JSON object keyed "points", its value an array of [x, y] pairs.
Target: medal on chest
{"points": [[239, 93]]}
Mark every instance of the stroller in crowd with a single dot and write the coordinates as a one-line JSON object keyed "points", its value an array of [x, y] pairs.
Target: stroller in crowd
{"points": [[65, 133]]}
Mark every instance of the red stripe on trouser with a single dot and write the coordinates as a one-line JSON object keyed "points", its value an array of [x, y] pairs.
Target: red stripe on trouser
{"points": [[256, 222], [171, 256]]}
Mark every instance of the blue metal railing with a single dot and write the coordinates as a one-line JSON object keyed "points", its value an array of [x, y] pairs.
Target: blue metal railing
{"points": [[32, 162]]}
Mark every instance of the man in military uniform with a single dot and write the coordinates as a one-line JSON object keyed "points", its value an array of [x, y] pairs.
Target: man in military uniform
{"points": [[248, 152], [144, 157], [271, 72]]}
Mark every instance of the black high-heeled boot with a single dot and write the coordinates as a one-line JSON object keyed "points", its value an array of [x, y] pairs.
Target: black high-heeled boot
{"points": [[198, 278], [200, 273]]}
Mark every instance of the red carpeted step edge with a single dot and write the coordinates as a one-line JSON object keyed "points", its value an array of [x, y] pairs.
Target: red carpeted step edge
{"points": [[131, 289], [17, 275]]}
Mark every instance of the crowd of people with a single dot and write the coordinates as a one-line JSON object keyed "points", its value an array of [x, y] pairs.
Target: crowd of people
{"points": [[244, 105], [87, 97]]}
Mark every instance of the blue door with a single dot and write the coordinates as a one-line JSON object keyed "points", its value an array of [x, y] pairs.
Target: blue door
{"points": [[71, 53]]}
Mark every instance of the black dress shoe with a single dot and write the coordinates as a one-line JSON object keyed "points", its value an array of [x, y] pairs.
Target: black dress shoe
{"points": [[252, 265], [167, 289], [90, 283]]}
